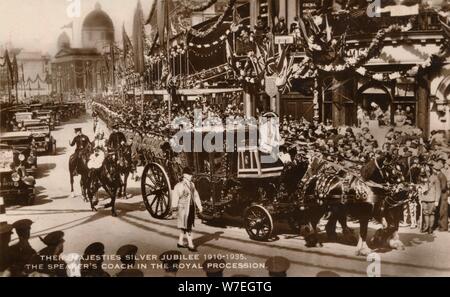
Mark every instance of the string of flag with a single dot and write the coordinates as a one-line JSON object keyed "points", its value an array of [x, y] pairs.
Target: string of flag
{"points": [[192, 47]]}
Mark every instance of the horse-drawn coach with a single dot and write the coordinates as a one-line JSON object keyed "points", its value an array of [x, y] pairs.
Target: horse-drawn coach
{"points": [[235, 182]]}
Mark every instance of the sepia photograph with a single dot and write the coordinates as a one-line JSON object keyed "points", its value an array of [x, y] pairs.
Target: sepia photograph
{"points": [[224, 138]]}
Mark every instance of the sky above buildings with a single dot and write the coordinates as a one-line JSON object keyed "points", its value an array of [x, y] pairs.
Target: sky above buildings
{"points": [[36, 24]]}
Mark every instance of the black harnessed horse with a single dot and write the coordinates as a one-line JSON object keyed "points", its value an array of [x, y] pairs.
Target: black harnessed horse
{"points": [[108, 176], [125, 166], [405, 192], [328, 186]]}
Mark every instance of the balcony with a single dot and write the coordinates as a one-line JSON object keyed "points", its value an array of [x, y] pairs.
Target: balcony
{"points": [[359, 27], [362, 28]]}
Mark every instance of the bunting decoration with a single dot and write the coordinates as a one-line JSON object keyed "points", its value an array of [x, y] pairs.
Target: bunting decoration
{"points": [[197, 7], [373, 50], [328, 53], [127, 45], [415, 70], [182, 48], [138, 40], [162, 9], [37, 79], [220, 20]]}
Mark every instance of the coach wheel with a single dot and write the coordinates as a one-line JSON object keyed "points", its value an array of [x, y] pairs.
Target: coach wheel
{"points": [[156, 190], [258, 223]]}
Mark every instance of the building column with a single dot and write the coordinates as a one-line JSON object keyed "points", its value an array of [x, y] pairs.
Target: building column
{"points": [[291, 9], [423, 107], [342, 113], [254, 12], [249, 104], [275, 103], [84, 77], [282, 8], [337, 107]]}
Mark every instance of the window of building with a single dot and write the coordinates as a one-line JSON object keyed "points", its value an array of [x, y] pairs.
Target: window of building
{"points": [[405, 105]]}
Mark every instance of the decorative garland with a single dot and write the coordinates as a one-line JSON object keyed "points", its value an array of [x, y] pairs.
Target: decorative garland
{"points": [[307, 69], [374, 48], [198, 7], [301, 71], [182, 48], [203, 34], [33, 81], [412, 71]]}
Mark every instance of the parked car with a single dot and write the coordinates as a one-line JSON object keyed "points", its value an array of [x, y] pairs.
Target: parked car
{"points": [[43, 140], [25, 119], [48, 116], [24, 150], [15, 182]]}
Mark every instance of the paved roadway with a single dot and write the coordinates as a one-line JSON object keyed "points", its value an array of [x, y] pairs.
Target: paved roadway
{"points": [[425, 255]]}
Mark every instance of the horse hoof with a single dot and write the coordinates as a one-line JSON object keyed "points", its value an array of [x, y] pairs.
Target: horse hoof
{"points": [[397, 245], [363, 252], [114, 214], [94, 209], [72, 195]]}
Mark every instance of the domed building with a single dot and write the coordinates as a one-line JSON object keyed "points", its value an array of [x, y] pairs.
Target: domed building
{"points": [[97, 30], [83, 69]]}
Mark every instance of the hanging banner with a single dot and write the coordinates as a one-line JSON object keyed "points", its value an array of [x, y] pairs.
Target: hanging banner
{"points": [[138, 39]]}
